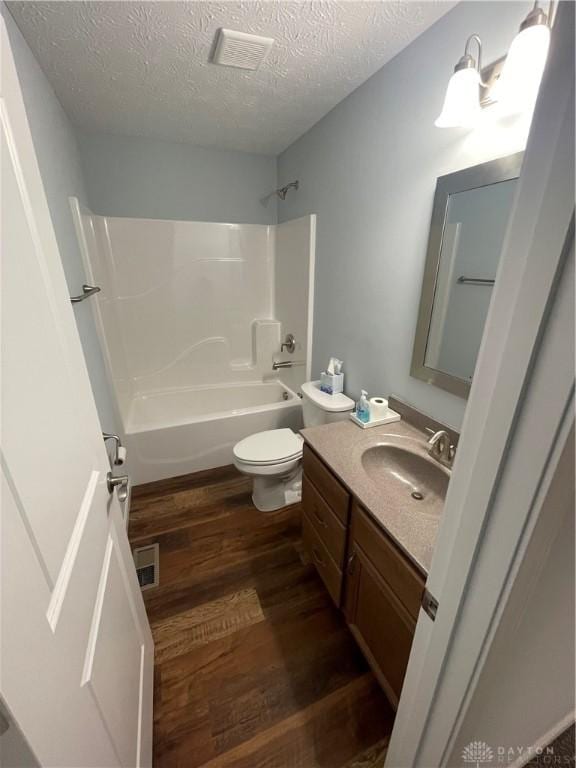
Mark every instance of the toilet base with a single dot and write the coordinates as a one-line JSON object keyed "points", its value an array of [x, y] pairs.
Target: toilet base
{"points": [[270, 493]]}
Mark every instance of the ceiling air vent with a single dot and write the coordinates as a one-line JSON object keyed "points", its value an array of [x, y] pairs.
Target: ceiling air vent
{"points": [[241, 50]]}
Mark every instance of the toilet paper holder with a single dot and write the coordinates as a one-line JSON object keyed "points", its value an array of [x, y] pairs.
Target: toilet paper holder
{"points": [[119, 455]]}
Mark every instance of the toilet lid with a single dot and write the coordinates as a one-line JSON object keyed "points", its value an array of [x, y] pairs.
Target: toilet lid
{"points": [[270, 447]]}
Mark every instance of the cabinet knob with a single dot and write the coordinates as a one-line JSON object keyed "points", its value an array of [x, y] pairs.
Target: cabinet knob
{"points": [[317, 557], [318, 517], [351, 562]]}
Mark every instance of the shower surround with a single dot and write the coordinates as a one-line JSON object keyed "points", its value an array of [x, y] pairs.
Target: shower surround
{"points": [[191, 316]]}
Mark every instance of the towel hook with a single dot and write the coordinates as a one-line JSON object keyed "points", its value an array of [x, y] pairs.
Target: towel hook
{"points": [[87, 290]]}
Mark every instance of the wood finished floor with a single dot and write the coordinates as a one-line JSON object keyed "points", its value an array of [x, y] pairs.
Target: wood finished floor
{"points": [[254, 667]]}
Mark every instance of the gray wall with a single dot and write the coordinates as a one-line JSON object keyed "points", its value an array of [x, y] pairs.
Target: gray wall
{"points": [[57, 154], [368, 170], [147, 178]]}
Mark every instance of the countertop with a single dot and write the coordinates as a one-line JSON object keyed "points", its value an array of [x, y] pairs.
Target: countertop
{"points": [[340, 445]]}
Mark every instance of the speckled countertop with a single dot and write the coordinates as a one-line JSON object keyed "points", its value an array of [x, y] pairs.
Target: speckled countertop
{"points": [[341, 445]]}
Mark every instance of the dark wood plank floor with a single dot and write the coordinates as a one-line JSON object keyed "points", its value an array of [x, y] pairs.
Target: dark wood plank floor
{"points": [[254, 666]]}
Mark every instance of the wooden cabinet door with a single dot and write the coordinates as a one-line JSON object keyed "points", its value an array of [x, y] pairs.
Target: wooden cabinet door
{"points": [[381, 625]]}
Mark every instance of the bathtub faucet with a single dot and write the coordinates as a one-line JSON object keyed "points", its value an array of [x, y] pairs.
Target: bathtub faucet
{"points": [[286, 364]]}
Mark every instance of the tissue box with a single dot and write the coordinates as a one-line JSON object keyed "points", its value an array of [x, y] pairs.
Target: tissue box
{"points": [[332, 383]]}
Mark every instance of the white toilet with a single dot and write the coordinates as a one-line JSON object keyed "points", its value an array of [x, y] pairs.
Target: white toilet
{"points": [[274, 458]]}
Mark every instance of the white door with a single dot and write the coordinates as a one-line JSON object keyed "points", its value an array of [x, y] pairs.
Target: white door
{"points": [[76, 648]]}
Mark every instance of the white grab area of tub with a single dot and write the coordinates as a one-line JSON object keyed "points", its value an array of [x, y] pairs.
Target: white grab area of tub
{"points": [[190, 318]]}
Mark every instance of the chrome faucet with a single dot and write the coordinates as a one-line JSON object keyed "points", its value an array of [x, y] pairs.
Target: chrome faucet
{"points": [[441, 449]]}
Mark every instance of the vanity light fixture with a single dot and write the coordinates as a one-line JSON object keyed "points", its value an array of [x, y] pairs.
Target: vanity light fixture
{"points": [[462, 101], [516, 88]]}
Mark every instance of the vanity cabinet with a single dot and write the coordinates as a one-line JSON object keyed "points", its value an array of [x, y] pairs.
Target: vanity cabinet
{"points": [[365, 573], [383, 593]]}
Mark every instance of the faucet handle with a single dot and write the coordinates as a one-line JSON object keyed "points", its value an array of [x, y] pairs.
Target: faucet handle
{"points": [[289, 343], [441, 448]]}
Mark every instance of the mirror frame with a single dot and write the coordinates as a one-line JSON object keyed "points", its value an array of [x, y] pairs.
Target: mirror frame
{"points": [[492, 172]]}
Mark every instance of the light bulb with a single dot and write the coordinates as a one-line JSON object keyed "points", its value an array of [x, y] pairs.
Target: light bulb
{"points": [[517, 88], [462, 102]]}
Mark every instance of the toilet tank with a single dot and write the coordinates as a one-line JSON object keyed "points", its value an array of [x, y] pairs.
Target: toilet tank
{"points": [[320, 408]]}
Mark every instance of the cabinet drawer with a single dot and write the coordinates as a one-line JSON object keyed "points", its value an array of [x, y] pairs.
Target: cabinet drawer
{"points": [[399, 573], [327, 525], [330, 488], [326, 567]]}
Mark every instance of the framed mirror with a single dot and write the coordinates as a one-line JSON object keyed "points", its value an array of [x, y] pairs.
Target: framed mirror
{"points": [[469, 219]]}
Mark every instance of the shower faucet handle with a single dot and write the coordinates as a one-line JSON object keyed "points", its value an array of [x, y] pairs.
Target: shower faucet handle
{"points": [[289, 344]]}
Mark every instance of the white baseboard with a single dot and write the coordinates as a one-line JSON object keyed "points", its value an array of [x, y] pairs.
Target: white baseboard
{"points": [[545, 740]]}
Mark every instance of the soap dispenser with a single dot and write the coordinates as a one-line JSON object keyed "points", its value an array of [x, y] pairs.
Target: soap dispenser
{"points": [[363, 408]]}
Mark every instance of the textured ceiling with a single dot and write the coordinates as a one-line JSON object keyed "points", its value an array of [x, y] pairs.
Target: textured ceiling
{"points": [[143, 68]]}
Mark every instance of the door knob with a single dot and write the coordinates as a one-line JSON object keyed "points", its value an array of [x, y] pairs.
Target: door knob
{"points": [[120, 483]]}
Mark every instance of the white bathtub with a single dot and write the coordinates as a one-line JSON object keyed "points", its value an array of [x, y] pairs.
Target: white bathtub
{"points": [[179, 431]]}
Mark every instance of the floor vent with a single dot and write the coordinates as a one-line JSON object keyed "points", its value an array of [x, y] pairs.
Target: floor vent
{"points": [[146, 560]]}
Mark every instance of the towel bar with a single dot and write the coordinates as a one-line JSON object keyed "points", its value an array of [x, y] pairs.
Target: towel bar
{"points": [[475, 281], [285, 364]]}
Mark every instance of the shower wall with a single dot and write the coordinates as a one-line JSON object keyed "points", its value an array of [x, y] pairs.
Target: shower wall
{"points": [[294, 260], [188, 304]]}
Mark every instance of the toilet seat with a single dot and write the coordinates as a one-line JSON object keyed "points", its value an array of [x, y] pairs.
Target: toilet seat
{"points": [[274, 446]]}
